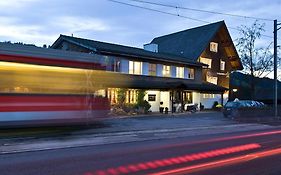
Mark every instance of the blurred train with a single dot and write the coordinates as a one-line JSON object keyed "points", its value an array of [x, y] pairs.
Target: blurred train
{"points": [[36, 94]]}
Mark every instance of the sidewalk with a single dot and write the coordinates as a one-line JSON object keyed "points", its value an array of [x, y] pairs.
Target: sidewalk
{"points": [[132, 129], [122, 137]]}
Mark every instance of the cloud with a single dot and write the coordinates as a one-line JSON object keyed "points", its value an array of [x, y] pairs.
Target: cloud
{"points": [[77, 24], [10, 30], [11, 4]]}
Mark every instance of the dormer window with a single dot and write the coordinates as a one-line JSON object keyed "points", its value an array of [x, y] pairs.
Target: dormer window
{"points": [[213, 47]]}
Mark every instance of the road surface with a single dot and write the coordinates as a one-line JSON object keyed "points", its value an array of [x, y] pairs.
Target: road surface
{"points": [[251, 152]]}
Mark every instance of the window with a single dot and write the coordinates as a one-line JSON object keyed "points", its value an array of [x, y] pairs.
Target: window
{"points": [[208, 95], [135, 67], [206, 61], [131, 96], [180, 72], [100, 93], [222, 65], [211, 79], [166, 71], [187, 97], [213, 47], [190, 73], [116, 66], [152, 69]]}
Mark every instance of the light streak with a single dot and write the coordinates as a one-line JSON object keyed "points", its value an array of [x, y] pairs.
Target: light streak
{"points": [[174, 160], [220, 163]]}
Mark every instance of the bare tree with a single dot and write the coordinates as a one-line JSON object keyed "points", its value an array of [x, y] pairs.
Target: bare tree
{"points": [[257, 61]]}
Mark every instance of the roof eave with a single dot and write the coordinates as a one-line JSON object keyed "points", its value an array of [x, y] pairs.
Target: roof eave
{"points": [[110, 52]]}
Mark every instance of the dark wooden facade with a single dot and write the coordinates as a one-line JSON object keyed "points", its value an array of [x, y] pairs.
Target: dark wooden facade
{"points": [[225, 45]]}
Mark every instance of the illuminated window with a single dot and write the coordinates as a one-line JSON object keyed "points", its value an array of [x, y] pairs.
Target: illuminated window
{"points": [[211, 79], [152, 69], [180, 72], [206, 61], [213, 47], [135, 67], [190, 73], [100, 93], [208, 95], [222, 65], [166, 71], [131, 96]]}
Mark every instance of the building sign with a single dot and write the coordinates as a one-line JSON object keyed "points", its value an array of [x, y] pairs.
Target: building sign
{"points": [[151, 97]]}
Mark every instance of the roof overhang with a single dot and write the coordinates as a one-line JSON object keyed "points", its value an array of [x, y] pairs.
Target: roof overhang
{"points": [[230, 49], [105, 51], [159, 83]]}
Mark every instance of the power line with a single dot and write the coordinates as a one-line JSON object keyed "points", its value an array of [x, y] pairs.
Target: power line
{"points": [[173, 14], [205, 11], [167, 13]]}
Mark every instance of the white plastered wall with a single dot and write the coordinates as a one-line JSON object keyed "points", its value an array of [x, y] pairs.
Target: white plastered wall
{"points": [[161, 96]]}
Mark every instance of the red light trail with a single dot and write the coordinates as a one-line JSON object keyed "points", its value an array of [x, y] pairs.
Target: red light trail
{"points": [[223, 162], [174, 160]]}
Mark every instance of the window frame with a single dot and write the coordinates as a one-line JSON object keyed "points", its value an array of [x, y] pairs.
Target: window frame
{"points": [[190, 73], [133, 68], [207, 61], [180, 72], [222, 62], [151, 72], [164, 71], [214, 47]]}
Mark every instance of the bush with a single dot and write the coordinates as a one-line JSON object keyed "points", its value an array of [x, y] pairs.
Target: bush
{"points": [[141, 103]]}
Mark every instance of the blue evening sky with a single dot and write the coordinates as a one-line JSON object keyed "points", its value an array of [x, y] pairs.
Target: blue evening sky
{"points": [[42, 21]]}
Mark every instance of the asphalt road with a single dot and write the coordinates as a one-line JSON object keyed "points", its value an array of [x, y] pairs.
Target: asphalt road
{"points": [[252, 152]]}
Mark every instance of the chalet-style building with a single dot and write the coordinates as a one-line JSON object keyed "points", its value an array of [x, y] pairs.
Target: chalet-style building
{"points": [[187, 67]]}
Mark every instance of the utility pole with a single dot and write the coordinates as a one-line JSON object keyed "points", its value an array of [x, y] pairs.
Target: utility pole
{"points": [[275, 68]]}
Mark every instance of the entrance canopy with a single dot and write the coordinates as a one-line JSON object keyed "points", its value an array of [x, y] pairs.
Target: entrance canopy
{"points": [[159, 83]]}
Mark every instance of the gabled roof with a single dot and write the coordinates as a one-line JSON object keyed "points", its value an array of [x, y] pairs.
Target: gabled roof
{"points": [[192, 42], [115, 49]]}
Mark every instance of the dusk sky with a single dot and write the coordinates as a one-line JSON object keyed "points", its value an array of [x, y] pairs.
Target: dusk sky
{"points": [[41, 21]]}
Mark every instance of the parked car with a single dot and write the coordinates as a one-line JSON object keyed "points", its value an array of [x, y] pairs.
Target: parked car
{"points": [[231, 108]]}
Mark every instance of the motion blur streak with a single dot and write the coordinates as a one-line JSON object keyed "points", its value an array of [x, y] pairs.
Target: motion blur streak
{"points": [[224, 139], [174, 160], [246, 136], [220, 163]]}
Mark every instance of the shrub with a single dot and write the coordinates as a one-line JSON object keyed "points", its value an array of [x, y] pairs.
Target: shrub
{"points": [[121, 96], [141, 103]]}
